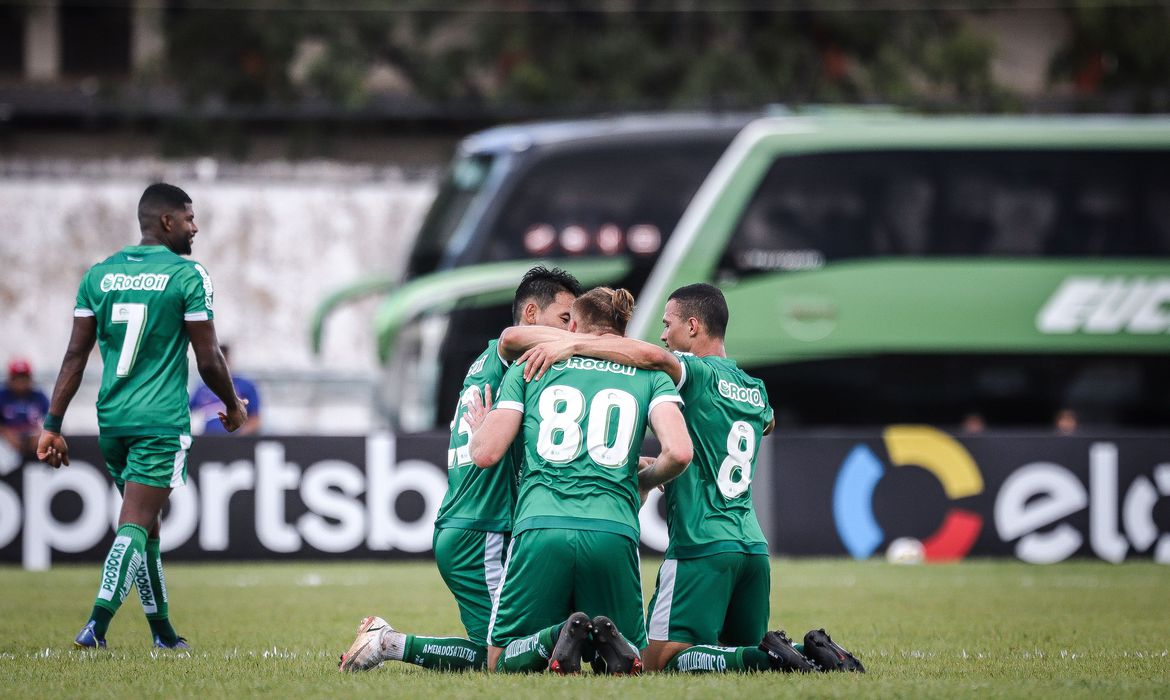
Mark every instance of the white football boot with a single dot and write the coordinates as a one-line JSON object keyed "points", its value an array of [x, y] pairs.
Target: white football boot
{"points": [[366, 651]]}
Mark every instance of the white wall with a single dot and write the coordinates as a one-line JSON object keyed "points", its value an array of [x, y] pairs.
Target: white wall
{"points": [[276, 239]]}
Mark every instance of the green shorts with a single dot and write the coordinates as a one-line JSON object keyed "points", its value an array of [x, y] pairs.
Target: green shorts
{"points": [[471, 563], [153, 460], [553, 573], [716, 599]]}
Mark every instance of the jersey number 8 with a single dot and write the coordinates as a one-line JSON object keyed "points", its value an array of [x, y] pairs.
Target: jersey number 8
{"points": [[735, 473]]}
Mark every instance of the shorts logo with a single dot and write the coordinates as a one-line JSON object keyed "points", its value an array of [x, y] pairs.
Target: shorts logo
{"points": [[908, 445], [735, 392], [146, 282]]}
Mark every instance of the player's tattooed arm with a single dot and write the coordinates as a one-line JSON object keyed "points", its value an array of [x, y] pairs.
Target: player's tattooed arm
{"points": [[626, 351], [677, 449]]}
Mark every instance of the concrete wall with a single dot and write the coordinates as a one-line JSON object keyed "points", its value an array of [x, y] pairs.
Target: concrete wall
{"points": [[276, 238]]}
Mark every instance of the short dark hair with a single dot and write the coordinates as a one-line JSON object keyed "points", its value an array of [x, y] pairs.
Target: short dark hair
{"points": [[704, 302], [160, 195], [542, 285]]}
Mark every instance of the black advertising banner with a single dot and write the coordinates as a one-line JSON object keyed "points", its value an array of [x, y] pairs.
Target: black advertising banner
{"points": [[1038, 498], [245, 498]]}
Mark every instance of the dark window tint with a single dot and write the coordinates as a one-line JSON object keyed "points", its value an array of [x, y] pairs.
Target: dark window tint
{"points": [[623, 199], [813, 209], [95, 38], [12, 39]]}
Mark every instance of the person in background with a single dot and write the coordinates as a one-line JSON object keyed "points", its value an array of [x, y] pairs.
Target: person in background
{"points": [[22, 408], [206, 406]]}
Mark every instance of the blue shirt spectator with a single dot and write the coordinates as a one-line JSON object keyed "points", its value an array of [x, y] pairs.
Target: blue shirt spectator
{"points": [[22, 409], [206, 406]]}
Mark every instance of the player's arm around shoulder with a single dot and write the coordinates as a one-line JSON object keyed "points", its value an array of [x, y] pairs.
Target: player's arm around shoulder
{"points": [[515, 341], [677, 450]]}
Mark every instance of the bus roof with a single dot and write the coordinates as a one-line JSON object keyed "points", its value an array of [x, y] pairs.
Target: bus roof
{"points": [[520, 137], [852, 130]]}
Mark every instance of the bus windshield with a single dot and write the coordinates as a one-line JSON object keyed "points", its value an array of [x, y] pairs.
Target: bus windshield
{"points": [[464, 180]]}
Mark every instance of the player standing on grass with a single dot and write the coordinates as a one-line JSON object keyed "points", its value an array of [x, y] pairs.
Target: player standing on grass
{"points": [[474, 522], [714, 585], [575, 539], [142, 305]]}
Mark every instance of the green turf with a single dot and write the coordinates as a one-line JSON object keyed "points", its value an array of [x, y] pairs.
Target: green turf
{"points": [[977, 629]]}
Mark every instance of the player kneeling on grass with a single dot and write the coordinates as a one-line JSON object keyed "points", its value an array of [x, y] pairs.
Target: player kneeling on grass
{"points": [[572, 587], [711, 604], [474, 523]]}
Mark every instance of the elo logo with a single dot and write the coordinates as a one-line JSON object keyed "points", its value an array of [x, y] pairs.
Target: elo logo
{"points": [[908, 445]]}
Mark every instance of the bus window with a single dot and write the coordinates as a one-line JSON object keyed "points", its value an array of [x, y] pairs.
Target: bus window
{"points": [[810, 210], [616, 200]]}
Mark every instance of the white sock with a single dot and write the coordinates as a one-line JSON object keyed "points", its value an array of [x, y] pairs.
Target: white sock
{"points": [[393, 645]]}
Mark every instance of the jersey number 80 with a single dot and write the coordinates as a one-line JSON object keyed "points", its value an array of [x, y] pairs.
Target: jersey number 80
{"points": [[561, 409]]}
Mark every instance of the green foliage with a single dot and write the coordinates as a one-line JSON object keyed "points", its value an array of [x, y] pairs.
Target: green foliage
{"points": [[1117, 49], [653, 53], [979, 629]]}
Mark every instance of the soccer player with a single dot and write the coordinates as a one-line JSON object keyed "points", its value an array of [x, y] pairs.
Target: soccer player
{"points": [[713, 587], [474, 522], [575, 538], [142, 305]]}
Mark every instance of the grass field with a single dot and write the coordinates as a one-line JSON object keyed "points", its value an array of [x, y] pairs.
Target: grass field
{"points": [[977, 629]]}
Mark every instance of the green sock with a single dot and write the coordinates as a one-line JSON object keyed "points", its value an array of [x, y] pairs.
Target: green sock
{"points": [[152, 591], [444, 653], [529, 654], [712, 659], [799, 646], [126, 556]]}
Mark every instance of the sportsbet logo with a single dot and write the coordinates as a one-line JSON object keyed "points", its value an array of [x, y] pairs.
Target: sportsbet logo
{"points": [[917, 446]]}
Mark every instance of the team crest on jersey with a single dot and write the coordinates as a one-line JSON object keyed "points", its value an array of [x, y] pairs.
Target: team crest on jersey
{"points": [[146, 282], [736, 392], [208, 290]]}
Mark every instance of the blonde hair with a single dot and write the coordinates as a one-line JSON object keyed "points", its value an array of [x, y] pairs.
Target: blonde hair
{"points": [[603, 310]]}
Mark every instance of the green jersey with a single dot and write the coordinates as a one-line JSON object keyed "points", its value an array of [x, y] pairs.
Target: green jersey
{"points": [[709, 507], [583, 425], [140, 297], [479, 499]]}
